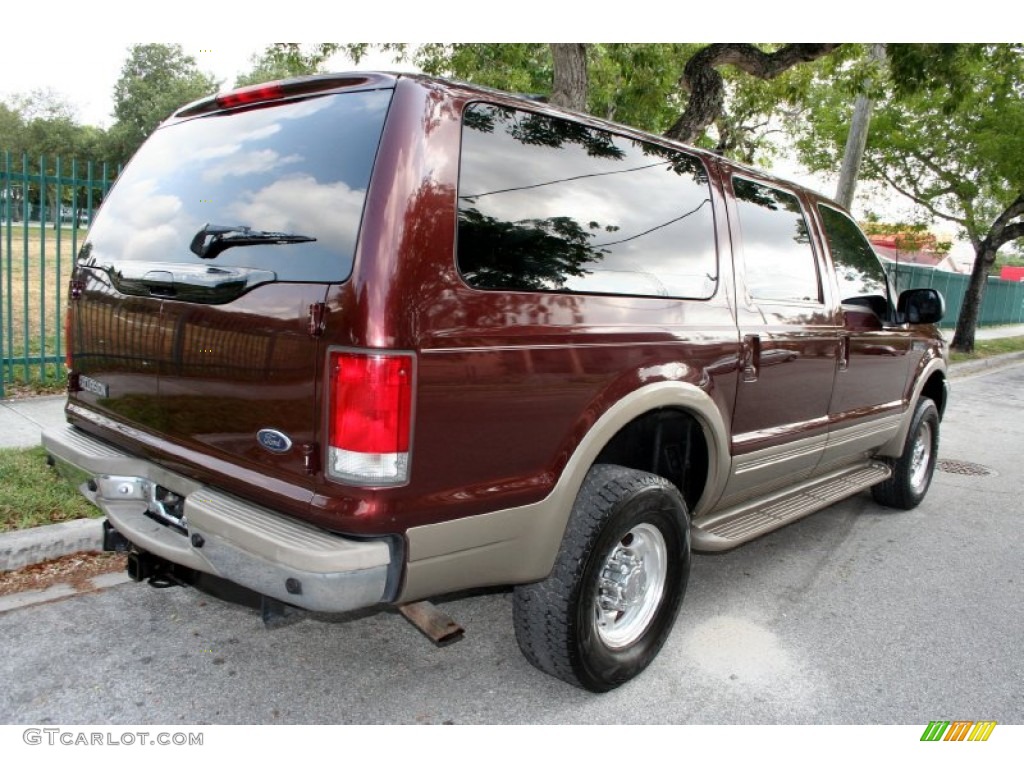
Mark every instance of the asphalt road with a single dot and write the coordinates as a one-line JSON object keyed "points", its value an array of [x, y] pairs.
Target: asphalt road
{"points": [[855, 615]]}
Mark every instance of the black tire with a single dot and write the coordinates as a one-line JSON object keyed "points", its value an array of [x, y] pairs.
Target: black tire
{"points": [[912, 471], [628, 535]]}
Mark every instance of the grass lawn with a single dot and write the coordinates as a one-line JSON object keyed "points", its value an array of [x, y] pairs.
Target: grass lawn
{"points": [[989, 348], [33, 494]]}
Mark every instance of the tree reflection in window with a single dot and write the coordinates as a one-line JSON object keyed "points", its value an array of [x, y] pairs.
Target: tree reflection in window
{"points": [[547, 204]]}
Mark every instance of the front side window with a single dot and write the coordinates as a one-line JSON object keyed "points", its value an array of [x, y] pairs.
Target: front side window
{"points": [[777, 250], [860, 275], [547, 204]]}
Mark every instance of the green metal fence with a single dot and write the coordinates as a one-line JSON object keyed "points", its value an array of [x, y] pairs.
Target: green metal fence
{"points": [[1003, 303], [46, 205]]}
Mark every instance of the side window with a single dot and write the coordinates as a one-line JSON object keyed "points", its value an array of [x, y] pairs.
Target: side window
{"points": [[777, 250], [547, 204], [861, 277]]}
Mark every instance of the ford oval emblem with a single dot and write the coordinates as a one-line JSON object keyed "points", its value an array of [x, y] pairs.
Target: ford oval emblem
{"points": [[274, 441]]}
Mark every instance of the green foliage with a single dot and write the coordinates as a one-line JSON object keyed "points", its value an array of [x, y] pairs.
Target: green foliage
{"points": [[33, 494], [761, 116], [930, 67], [989, 348], [43, 123], [952, 144], [636, 84], [155, 80], [283, 60], [12, 126]]}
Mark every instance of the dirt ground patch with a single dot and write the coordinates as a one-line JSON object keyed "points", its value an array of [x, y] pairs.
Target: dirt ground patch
{"points": [[75, 570]]}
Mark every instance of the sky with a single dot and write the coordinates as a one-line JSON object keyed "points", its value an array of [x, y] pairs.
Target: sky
{"points": [[82, 45], [89, 86]]}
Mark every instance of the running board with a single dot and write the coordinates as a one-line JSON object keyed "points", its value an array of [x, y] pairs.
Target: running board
{"points": [[738, 525]]}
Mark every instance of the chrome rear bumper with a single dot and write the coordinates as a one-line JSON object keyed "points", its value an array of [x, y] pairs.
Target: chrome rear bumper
{"points": [[221, 534]]}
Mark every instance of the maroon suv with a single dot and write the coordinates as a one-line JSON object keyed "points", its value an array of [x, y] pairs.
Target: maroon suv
{"points": [[365, 339]]}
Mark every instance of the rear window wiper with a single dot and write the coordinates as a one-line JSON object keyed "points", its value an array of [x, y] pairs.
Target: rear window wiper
{"points": [[214, 238]]}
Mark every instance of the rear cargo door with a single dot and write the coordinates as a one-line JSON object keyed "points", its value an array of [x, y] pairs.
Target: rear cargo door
{"points": [[205, 273]]}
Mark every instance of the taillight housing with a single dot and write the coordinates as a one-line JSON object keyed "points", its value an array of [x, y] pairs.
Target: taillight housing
{"points": [[250, 95], [369, 417]]}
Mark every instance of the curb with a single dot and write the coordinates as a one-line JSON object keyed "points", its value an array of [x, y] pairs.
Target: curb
{"points": [[36, 545], [18, 600], [971, 367]]}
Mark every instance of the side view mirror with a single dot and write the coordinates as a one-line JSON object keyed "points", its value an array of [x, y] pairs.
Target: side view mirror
{"points": [[921, 305]]}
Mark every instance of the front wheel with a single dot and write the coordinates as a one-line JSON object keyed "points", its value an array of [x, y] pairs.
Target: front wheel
{"points": [[610, 602], [912, 471]]}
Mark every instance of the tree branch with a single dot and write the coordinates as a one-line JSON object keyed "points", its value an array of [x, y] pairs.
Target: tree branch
{"points": [[707, 89], [1012, 232], [1002, 231], [922, 201]]}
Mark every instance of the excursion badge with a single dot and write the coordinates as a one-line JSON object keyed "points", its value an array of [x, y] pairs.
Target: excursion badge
{"points": [[98, 388]]}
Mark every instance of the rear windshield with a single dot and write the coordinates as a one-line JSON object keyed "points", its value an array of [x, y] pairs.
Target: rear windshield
{"points": [[300, 168]]}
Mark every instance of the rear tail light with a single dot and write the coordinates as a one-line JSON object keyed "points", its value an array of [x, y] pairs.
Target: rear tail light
{"points": [[250, 95], [370, 417]]}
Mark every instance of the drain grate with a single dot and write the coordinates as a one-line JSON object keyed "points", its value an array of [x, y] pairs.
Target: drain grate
{"points": [[962, 467]]}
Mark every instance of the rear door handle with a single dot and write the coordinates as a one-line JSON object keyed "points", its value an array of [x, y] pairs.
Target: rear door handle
{"points": [[751, 356], [844, 352]]}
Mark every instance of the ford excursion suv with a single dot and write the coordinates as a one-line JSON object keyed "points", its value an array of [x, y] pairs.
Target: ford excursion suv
{"points": [[365, 339]]}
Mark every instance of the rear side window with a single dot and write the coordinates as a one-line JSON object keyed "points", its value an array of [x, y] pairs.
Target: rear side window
{"points": [[547, 204], [777, 252], [299, 168]]}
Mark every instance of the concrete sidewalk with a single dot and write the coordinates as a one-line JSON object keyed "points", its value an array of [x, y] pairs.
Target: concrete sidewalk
{"points": [[22, 421]]}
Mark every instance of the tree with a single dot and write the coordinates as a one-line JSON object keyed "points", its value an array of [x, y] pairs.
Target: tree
{"points": [[279, 61], [12, 128], [952, 144], [706, 86], [635, 84], [43, 123], [155, 80]]}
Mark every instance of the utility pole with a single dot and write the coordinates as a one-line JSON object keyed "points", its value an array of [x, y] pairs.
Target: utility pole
{"points": [[858, 137]]}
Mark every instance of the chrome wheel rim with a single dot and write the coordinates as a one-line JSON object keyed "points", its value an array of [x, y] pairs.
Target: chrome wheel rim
{"points": [[920, 458], [630, 586]]}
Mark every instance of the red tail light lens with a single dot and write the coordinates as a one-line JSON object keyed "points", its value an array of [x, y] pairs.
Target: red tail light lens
{"points": [[370, 417], [250, 95]]}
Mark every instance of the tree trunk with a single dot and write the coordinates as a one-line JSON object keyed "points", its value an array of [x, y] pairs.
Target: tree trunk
{"points": [[569, 89], [1003, 230], [858, 138], [970, 310]]}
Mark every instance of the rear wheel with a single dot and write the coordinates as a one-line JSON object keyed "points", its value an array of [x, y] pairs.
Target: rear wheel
{"points": [[912, 471], [610, 602]]}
